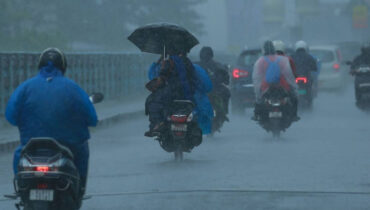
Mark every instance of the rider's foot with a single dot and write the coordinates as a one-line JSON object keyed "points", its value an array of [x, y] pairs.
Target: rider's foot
{"points": [[155, 131], [255, 118], [227, 119], [151, 134], [296, 119]]}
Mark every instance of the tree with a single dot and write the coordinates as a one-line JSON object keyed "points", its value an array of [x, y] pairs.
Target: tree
{"points": [[87, 25]]}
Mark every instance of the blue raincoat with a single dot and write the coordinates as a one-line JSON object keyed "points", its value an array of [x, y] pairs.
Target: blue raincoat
{"points": [[50, 105], [204, 109], [203, 85]]}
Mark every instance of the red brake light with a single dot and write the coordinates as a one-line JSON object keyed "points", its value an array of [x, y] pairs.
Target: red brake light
{"points": [[301, 79], [238, 73], [42, 186], [179, 119], [336, 66], [42, 168]]}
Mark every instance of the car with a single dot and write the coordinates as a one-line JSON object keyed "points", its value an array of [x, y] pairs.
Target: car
{"points": [[242, 89], [333, 71]]}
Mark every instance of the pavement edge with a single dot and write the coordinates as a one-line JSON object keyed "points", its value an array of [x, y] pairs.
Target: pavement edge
{"points": [[10, 145]]}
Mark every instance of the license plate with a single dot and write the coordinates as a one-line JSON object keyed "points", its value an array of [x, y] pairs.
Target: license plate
{"points": [[42, 195], [179, 127], [275, 114], [302, 92]]}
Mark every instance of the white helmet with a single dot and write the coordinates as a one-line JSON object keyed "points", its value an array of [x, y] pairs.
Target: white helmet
{"points": [[301, 45], [279, 46]]}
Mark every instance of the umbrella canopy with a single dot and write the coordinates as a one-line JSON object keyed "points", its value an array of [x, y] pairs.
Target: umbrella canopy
{"points": [[163, 37]]}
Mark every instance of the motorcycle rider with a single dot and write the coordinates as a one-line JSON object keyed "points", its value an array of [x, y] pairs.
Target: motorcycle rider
{"points": [[362, 59], [50, 105], [174, 80], [280, 50], [203, 109], [285, 79], [220, 78], [304, 62]]}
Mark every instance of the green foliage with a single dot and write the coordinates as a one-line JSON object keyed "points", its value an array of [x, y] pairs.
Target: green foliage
{"points": [[99, 25]]}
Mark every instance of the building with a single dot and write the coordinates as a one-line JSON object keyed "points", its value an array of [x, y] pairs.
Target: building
{"points": [[250, 22]]}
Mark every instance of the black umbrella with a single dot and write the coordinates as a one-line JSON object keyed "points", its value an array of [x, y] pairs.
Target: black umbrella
{"points": [[163, 38]]}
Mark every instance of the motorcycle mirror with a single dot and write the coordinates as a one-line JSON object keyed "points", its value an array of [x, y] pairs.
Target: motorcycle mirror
{"points": [[96, 98]]}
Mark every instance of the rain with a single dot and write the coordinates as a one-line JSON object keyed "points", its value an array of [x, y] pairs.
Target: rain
{"points": [[184, 118]]}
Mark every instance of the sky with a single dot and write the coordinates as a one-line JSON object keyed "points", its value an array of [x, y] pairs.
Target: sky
{"points": [[215, 24]]}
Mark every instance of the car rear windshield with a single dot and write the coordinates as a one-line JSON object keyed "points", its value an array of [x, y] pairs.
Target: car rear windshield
{"points": [[325, 56], [249, 58]]}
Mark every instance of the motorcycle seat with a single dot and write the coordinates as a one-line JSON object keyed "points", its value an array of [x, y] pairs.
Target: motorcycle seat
{"points": [[47, 144]]}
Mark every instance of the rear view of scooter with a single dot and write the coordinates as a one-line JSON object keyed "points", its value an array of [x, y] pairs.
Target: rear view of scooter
{"points": [[182, 133]]}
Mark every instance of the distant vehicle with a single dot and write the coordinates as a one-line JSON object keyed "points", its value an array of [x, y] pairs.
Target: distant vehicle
{"points": [[305, 94], [277, 116], [362, 86], [182, 133], [332, 75], [242, 89]]}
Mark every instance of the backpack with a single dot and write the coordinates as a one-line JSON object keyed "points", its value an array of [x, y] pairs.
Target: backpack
{"points": [[273, 72]]}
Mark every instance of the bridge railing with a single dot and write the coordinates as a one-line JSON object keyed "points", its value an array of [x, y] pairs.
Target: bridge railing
{"points": [[115, 75]]}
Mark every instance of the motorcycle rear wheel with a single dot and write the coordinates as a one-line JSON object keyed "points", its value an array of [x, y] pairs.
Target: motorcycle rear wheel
{"points": [[37, 206], [276, 134], [179, 156]]}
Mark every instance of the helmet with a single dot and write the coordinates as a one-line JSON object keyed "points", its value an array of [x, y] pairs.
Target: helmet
{"points": [[206, 53], [279, 46], [268, 48], [301, 45], [365, 49], [55, 56]]}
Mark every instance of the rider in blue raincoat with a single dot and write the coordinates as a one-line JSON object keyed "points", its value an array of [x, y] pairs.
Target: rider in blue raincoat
{"points": [[50, 105], [202, 86]]}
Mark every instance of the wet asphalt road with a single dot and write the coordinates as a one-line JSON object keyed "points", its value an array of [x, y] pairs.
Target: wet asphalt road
{"points": [[321, 162]]}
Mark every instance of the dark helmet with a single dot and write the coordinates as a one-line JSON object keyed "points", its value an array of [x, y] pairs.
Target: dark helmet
{"points": [[206, 53], [365, 49], [268, 48], [55, 56]]}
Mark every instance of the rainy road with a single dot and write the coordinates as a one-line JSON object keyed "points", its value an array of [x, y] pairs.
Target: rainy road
{"points": [[321, 162]]}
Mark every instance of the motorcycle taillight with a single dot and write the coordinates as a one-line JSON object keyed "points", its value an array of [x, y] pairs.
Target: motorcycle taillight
{"points": [[42, 168], [42, 186], [301, 80], [179, 118]]}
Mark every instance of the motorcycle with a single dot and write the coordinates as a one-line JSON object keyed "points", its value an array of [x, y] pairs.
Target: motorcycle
{"points": [[277, 116], [362, 86], [47, 177], [305, 96], [220, 114], [181, 133]]}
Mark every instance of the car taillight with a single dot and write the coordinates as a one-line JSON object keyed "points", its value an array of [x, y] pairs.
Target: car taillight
{"points": [[336, 66], [301, 79], [179, 119], [238, 73], [42, 168]]}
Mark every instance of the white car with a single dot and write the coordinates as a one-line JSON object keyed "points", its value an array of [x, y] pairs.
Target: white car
{"points": [[333, 71]]}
